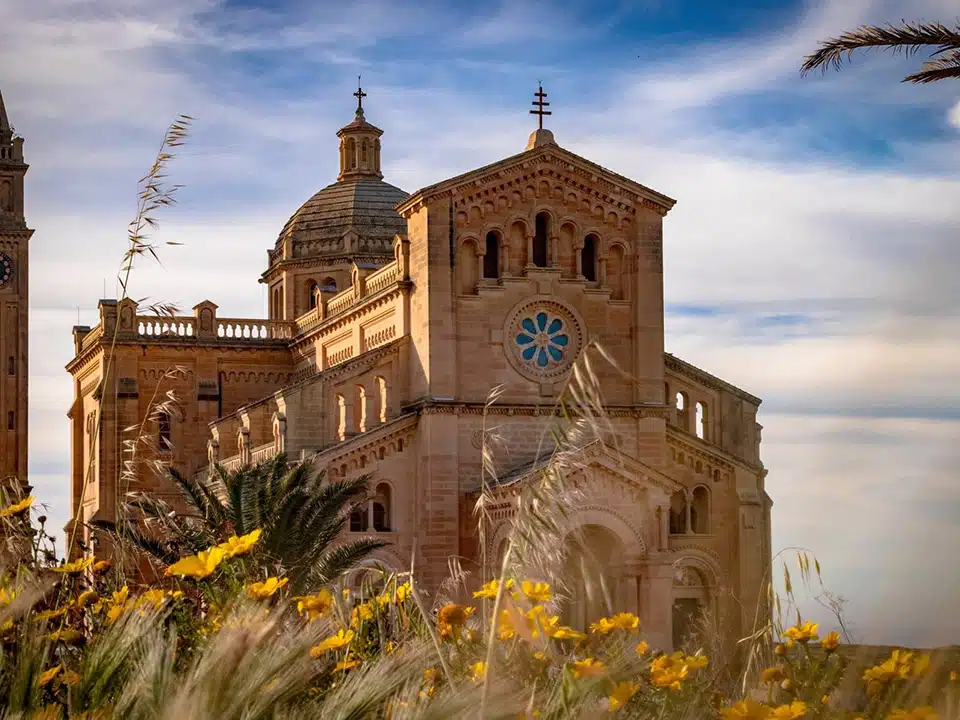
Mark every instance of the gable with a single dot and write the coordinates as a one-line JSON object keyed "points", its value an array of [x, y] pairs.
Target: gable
{"points": [[557, 167]]}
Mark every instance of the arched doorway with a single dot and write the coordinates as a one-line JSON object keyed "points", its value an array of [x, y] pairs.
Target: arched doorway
{"points": [[690, 601], [594, 559]]}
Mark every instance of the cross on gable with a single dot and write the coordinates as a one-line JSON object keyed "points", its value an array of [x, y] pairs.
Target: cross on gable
{"points": [[359, 95], [540, 95]]}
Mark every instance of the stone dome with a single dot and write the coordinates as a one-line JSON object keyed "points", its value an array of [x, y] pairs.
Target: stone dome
{"points": [[364, 205]]}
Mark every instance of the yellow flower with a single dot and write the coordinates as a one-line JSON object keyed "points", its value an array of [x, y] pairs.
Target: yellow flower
{"points": [[780, 650], [454, 615], [315, 606], [489, 590], [346, 664], [536, 592], [237, 546], [265, 589], [118, 609], [772, 675], [566, 633], [68, 636], [478, 671], [431, 675], [334, 642], [621, 694], [6, 597], [121, 595], [47, 676], [76, 567], [620, 621], [802, 633], [402, 593], [17, 508], [899, 666], [50, 614], [100, 567], [152, 597], [831, 641], [85, 598], [588, 667], [198, 566], [641, 648], [361, 613], [505, 627], [795, 710], [695, 662], [746, 710], [920, 713]]}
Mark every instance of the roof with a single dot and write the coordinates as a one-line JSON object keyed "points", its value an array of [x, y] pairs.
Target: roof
{"points": [[364, 204]]}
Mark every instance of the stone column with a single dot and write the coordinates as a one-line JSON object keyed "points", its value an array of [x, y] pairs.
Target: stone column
{"points": [[529, 239], [578, 257], [657, 595], [688, 498], [554, 249]]}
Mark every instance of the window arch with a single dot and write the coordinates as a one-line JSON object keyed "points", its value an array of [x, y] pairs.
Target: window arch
{"points": [[468, 271], [491, 258], [164, 431], [382, 508], [540, 238], [329, 285], [363, 152], [616, 272], [358, 518], [678, 513], [313, 291], [702, 426], [588, 257], [351, 153], [683, 409], [700, 511]]}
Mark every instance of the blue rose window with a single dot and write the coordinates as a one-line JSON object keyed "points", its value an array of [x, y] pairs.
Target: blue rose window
{"points": [[542, 339]]}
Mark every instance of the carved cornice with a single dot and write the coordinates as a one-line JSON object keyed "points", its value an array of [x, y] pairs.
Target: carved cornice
{"points": [[368, 445], [341, 320], [440, 407], [685, 369], [705, 451]]}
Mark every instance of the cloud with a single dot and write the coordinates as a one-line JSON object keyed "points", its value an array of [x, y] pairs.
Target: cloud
{"points": [[798, 265], [953, 117]]}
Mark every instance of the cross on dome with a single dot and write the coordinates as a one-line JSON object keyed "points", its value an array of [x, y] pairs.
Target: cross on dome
{"points": [[540, 136], [359, 95]]}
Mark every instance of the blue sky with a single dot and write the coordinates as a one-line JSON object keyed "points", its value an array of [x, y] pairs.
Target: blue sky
{"points": [[810, 258]]}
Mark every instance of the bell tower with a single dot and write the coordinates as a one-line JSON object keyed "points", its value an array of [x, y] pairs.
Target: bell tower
{"points": [[359, 146], [14, 275]]}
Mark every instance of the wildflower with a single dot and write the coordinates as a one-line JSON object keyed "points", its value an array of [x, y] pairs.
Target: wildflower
{"points": [[920, 713], [68, 636], [6, 597], [831, 641], [795, 710], [669, 671], [315, 606], [152, 597], [117, 610], [802, 633], [265, 589], [641, 648], [431, 675], [50, 614], [454, 615], [780, 650], [588, 667], [402, 593], [505, 626], [17, 508], [478, 671], [48, 675], [198, 566], [361, 613], [620, 621], [566, 633], [238, 546], [621, 694], [772, 675], [334, 642], [88, 597], [76, 567], [536, 592], [899, 666], [100, 567], [489, 590], [746, 710], [347, 663]]}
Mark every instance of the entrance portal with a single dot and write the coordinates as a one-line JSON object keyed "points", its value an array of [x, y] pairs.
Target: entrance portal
{"points": [[594, 556]]}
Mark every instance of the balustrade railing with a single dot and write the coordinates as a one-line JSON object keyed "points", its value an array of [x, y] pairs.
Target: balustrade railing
{"points": [[155, 327], [232, 463], [382, 278], [341, 301], [262, 453], [238, 329]]}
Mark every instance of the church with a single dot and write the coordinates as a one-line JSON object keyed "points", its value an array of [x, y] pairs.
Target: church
{"points": [[391, 317]]}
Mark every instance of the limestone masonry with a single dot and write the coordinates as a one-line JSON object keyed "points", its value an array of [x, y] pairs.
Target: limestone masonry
{"points": [[391, 317]]}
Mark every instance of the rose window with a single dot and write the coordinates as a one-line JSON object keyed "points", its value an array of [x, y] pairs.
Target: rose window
{"points": [[542, 339]]}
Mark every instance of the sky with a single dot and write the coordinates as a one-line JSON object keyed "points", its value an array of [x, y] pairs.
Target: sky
{"points": [[810, 258]]}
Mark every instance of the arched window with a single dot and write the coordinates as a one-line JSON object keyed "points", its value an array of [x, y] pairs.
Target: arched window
{"points": [[683, 410], [701, 421], [540, 240], [358, 519], [11, 366], [381, 508], [700, 511], [491, 260], [616, 272], [164, 434], [351, 153], [361, 409], [329, 285], [363, 152], [341, 417], [678, 513], [313, 291], [382, 400], [468, 269], [588, 258]]}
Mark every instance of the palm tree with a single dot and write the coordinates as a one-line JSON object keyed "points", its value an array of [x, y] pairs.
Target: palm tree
{"points": [[907, 38], [299, 515]]}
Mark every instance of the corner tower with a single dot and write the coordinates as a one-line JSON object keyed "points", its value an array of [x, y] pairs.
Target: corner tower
{"points": [[14, 269]]}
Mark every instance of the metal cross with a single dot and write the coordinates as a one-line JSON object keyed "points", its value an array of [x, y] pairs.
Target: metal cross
{"points": [[359, 95], [540, 95]]}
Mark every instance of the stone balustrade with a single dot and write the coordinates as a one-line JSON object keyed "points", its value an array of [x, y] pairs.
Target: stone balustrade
{"points": [[341, 301], [382, 278], [262, 453], [239, 329], [155, 327]]}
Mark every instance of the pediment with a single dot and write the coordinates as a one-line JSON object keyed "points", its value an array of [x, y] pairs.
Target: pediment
{"points": [[548, 163]]}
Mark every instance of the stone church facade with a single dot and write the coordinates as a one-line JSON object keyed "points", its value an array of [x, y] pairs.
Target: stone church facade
{"points": [[391, 317]]}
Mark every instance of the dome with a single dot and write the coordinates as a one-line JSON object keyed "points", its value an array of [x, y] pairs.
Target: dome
{"points": [[363, 204]]}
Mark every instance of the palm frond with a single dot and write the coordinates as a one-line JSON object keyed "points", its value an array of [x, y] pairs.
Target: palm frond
{"points": [[336, 561], [206, 502], [164, 551], [939, 69], [907, 38]]}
